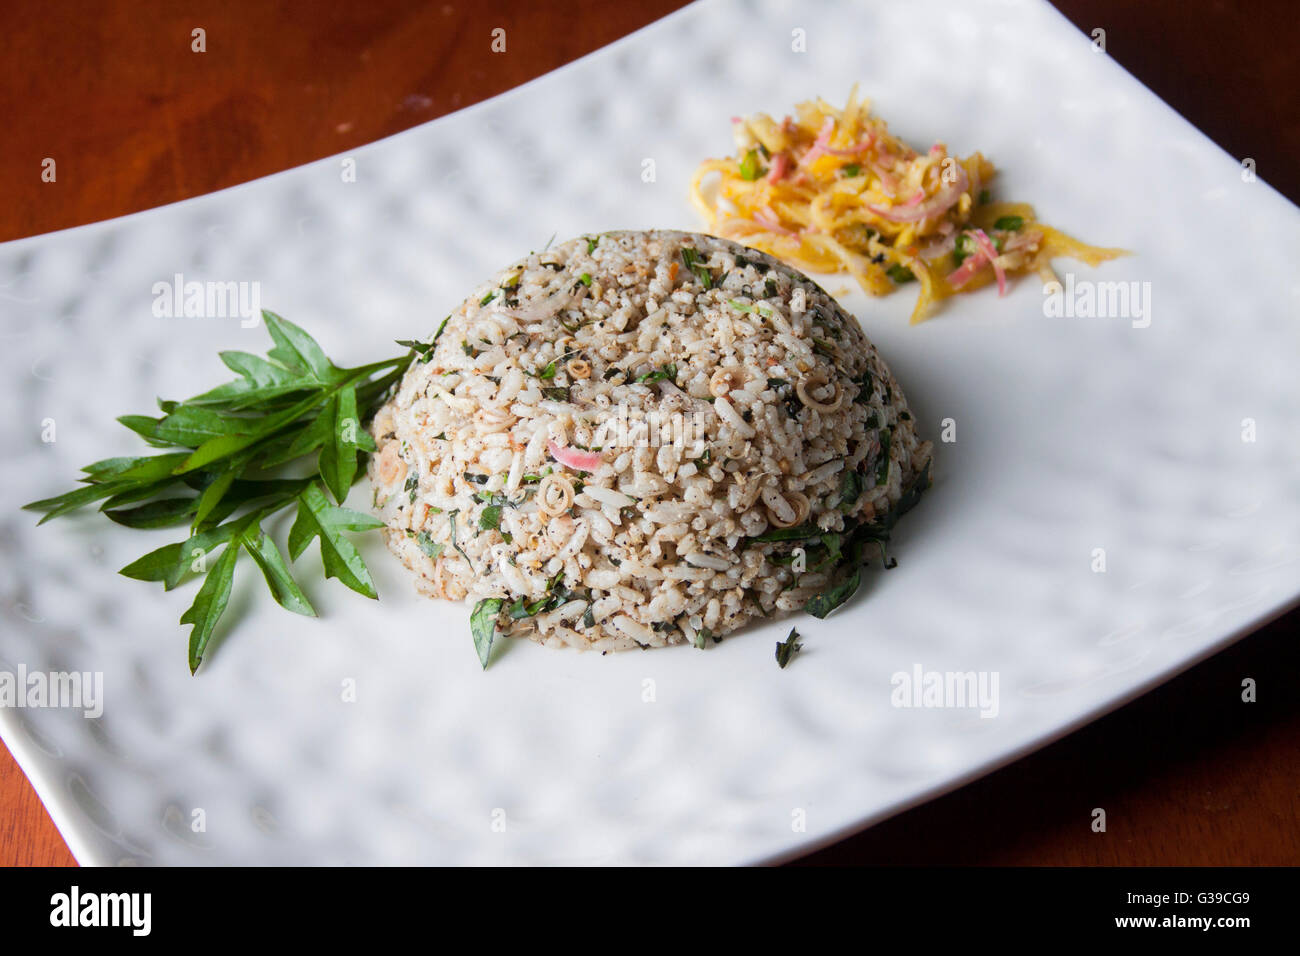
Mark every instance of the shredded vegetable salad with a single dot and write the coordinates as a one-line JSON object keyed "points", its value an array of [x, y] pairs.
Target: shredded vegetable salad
{"points": [[831, 190]]}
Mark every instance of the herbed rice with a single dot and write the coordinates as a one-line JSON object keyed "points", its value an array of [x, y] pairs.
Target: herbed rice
{"points": [[570, 348]]}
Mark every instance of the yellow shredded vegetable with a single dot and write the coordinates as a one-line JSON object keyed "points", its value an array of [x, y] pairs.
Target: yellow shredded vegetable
{"points": [[831, 191]]}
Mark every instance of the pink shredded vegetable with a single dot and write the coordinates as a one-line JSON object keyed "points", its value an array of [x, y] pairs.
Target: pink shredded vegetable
{"points": [[780, 166], [991, 253], [937, 206], [822, 145], [985, 252], [966, 271], [573, 458], [768, 220]]}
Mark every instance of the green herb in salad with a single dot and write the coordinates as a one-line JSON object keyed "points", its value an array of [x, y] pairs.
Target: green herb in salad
{"points": [[901, 273]]}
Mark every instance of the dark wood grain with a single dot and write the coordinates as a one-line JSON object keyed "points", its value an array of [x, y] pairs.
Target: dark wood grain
{"points": [[1188, 774]]}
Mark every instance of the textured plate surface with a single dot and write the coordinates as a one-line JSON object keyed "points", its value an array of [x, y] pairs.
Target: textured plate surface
{"points": [[1072, 434]]}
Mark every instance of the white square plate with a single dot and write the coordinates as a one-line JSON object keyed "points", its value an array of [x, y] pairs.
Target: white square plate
{"points": [[1072, 434]]}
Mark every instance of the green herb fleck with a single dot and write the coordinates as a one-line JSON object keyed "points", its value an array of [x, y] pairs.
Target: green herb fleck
{"points": [[490, 518], [666, 372], [746, 307], [691, 258], [787, 649], [430, 547], [963, 249], [882, 466], [822, 604], [850, 490], [451, 522]]}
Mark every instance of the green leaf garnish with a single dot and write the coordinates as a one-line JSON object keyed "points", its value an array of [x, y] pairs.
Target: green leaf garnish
{"points": [[210, 604], [1009, 223], [283, 587], [338, 455], [162, 513], [318, 518], [217, 473], [483, 625], [749, 166], [172, 563]]}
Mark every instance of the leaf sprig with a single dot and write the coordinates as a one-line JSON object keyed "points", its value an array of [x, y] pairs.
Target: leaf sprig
{"points": [[235, 457]]}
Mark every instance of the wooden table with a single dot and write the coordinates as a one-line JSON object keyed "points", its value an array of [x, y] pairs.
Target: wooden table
{"points": [[134, 118]]}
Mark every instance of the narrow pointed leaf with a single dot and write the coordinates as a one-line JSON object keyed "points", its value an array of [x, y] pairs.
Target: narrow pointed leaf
{"points": [[209, 605], [338, 455], [191, 426], [306, 441], [111, 467], [153, 468], [72, 500], [256, 370], [259, 382], [146, 427], [221, 446], [133, 492], [296, 350], [483, 625], [156, 514], [214, 492], [317, 518], [283, 587], [173, 563]]}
